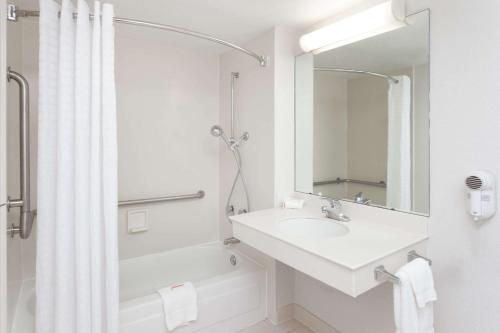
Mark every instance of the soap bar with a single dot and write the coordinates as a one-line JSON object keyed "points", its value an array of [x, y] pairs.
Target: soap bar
{"points": [[291, 203]]}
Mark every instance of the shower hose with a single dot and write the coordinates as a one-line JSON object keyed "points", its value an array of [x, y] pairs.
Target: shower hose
{"points": [[239, 174]]}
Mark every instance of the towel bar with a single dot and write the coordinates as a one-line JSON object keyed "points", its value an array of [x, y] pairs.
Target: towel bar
{"points": [[412, 255], [381, 274]]}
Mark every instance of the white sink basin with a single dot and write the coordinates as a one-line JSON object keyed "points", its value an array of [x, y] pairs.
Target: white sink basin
{"points": [[311, 227]]}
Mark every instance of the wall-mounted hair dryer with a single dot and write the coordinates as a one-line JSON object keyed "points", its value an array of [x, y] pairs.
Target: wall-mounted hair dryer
{"points": [[482, 194]]}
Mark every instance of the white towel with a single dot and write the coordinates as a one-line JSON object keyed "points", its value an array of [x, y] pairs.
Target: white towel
{"points": [[180, 305], [414, 297]]}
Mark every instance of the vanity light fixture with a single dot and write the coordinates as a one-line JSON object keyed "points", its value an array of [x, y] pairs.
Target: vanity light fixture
{"points": [[385, 17]]}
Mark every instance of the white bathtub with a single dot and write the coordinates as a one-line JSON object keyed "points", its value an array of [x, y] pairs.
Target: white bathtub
{"points": [[230, 297]]}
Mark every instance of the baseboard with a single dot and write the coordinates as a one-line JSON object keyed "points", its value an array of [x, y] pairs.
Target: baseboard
{"points": [[284, 314], [308, 319]]}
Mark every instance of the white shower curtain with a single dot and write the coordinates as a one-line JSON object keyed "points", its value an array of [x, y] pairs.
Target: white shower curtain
{"points": [[399, 145], [77, 259]]}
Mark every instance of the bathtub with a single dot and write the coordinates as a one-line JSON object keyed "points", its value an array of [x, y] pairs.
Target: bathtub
{"points": [[230, 297], [231, 291]]}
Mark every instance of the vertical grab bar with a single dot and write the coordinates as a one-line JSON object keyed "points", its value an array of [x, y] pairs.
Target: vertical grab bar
{"points": [[27, 215]]}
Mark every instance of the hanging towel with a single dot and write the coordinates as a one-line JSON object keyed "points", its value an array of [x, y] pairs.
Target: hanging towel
{"points": [[180, 305], [399, 144], [414, 297], [422, 282]]}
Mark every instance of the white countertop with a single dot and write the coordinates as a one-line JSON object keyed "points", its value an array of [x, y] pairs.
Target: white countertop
{"points": [[365, 243]]}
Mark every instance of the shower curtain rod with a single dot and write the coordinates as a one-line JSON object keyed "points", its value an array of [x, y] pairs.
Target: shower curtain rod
{"points": [[344, 70], [13, 13]]}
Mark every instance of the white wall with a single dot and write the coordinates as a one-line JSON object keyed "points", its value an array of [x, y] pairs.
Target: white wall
{"points": [[264, 106], [304, 118], [22, 57], [167, 100], [465, 94], [465, 91], [14, 254], [30, 72], [285, 46], [254, 105], [3, 172], [330, 132]]}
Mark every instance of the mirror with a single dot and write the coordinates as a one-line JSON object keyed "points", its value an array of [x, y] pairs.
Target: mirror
{"points": [[362, 120]]}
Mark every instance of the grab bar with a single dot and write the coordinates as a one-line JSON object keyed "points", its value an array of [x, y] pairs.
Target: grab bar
{"points": [[27, 215], [348, 180], [198, 195]]}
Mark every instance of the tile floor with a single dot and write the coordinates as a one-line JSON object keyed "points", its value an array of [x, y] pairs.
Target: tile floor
{"points": [[291, 326]]}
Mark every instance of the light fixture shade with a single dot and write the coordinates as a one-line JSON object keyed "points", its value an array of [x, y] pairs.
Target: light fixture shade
{"points": [[374, 21]]}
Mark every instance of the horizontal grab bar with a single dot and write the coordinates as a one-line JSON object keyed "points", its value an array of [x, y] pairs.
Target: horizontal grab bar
{"points": [[198, 195], [354, 181]]}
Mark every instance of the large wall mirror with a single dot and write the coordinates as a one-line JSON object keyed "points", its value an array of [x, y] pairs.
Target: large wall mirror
{"points": [[362, 120]]}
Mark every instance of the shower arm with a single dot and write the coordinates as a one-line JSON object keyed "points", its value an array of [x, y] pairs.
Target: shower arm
{"points": [[13, 13]]}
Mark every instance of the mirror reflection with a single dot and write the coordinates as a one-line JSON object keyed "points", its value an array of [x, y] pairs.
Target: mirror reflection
{"points": [[362, 120]]}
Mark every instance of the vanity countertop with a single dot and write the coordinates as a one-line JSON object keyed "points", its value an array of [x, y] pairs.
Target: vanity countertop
{"points": [[365, 243]]}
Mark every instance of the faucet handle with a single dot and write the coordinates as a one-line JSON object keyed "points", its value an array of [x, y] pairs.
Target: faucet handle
{"points": [[330, 200], [334, 203]]}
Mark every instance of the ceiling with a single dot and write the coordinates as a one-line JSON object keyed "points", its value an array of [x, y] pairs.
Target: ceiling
{"points": [[238, 21]]}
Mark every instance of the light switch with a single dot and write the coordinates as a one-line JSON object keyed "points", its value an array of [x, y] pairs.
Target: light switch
{"points": [[137, 220]]}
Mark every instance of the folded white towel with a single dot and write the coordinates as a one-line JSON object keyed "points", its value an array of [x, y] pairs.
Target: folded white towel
{"points": [[292, 203], [180, 304], [413, 297]]}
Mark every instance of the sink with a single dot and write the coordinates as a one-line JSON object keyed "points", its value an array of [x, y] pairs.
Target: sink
{"points": [[311, 227]]}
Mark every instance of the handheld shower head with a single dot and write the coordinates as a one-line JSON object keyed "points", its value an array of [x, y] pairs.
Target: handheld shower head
{"points": [[216, 131], [232, 143]]}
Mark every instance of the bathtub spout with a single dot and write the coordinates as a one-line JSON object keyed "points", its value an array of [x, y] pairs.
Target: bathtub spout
{"points": [[231, 241]]}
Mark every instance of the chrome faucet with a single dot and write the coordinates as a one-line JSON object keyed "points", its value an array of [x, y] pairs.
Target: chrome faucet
{"points": [[359, 198], [335, 210]]}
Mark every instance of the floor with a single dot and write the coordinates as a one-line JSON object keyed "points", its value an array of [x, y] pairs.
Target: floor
{"points": [[291, 326]]}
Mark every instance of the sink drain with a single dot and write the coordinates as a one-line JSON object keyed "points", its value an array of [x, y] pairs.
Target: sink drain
{"points": [[232, 260]]}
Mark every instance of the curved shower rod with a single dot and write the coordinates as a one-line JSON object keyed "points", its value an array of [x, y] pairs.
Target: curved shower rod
{"points": [[345, 70], [13, 13]]}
